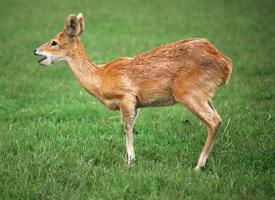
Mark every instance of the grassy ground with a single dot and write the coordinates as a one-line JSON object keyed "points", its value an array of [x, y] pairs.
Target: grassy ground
{"points": [[57, 142]]}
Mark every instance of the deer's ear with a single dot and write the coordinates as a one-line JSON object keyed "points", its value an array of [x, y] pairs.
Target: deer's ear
{"points": [[80, 19], [74, 25]]}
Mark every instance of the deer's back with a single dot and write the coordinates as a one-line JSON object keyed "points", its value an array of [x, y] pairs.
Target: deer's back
{"points": [[151, 75]]}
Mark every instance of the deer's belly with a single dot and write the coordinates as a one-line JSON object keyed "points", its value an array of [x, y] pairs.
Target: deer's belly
{"points": [[156, 101]]}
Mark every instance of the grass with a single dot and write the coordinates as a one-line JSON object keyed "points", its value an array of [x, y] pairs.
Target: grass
{"points": [[57, 142]]}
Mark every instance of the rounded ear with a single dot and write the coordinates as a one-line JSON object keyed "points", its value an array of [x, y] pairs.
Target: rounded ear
{"points": [[74, 25], [80, 18]]}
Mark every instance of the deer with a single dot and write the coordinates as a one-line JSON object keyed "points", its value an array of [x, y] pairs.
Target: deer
{"points": [[186, 72]]}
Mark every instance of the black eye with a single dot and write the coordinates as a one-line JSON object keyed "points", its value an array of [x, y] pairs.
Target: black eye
{"points": [[54, 43]]}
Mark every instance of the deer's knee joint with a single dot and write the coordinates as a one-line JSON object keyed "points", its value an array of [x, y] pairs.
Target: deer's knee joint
{"points": [[213, 129]]}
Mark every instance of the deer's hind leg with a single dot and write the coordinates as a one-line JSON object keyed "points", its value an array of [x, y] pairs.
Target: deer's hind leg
{"points": [[204, 110]]}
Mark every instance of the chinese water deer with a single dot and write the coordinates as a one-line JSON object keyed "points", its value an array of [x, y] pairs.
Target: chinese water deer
{"points": [[186, 72]]}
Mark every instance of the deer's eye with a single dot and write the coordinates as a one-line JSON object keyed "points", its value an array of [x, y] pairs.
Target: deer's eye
{"points": [[54, 43]]}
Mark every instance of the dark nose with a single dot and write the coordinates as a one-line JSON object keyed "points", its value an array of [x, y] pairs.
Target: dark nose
{"points": [[34, 52]]}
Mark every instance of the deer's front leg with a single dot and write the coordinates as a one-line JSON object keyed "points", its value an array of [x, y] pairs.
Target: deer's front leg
{"points": [[128, 114]]}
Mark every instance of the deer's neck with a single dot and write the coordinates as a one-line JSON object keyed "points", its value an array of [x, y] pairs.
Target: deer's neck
{"points": [[84, 69]]}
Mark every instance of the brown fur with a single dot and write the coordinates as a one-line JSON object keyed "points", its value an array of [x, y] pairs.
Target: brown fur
{"points": [[185, 72]]}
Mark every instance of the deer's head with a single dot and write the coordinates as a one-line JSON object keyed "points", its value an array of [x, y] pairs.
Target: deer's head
{"points": [[60, 46]]}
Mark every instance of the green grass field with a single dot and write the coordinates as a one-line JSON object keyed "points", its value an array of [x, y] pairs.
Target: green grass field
{"points": [[58, 142]]}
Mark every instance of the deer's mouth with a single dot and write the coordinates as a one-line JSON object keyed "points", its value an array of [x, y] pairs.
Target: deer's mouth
{"points": [[45, 59], [42, 59]]}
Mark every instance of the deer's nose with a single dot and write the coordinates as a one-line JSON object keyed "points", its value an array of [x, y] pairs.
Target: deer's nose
{"points": [[35, 52]]}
